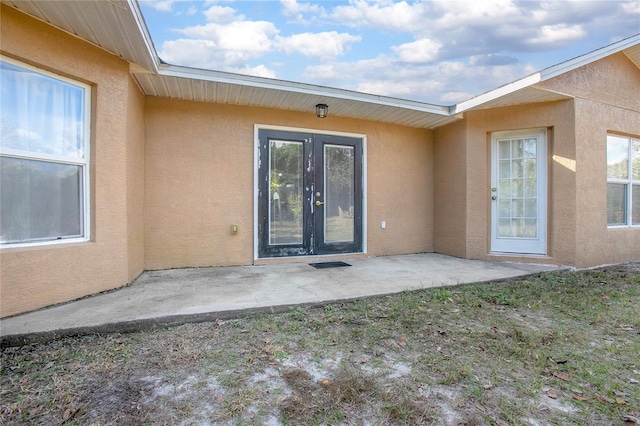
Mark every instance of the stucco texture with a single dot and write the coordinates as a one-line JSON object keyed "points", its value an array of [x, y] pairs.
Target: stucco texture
{"points": [[33, 277], [450, 189], [463, 177], [607, 101], [199, 180]]}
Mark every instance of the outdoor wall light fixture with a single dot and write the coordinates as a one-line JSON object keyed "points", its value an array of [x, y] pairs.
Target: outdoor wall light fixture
{"points": [[322, 110]]}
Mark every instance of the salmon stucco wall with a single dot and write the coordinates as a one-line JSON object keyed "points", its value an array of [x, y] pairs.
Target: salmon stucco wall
{"points": [[34, 277], [598, 244], [463, 177], [199, 169], [135, 181], [558, 119], [607, 101], [450, 189]]}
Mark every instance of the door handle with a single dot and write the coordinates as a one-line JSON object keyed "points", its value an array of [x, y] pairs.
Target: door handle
{"points": [[319, 203]]}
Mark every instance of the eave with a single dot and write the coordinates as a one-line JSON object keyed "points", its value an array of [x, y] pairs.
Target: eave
{"points": [[117, 26], [525, 91], [234, 89]]}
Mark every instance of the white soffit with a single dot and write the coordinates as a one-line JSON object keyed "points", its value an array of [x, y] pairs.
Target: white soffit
{"points": [[524, 95], [115, 25], [633, 53], [235, 89]]}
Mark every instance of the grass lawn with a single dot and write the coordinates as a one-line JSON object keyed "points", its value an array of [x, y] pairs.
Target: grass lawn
{"points": [[556, 348]]}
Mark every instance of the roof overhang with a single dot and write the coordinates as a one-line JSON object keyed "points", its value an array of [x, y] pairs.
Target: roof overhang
{"points": [[525, 91], [227, 88], [519, 92], [115, 25]]}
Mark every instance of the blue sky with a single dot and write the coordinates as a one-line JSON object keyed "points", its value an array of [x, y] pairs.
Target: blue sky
{"points": [[441, 52]]}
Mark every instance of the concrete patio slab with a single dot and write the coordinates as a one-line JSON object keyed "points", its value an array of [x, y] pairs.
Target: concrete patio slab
{"points": [[171, 297]]}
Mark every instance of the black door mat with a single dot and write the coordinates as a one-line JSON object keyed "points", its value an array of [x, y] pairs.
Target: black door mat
{"points": [[324, 265]]}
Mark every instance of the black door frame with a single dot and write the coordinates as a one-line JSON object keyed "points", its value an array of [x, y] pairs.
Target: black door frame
{"points": [[312, 172]]}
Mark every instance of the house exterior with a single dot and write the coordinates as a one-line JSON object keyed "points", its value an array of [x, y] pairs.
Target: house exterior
{"points": [[141, 165]]}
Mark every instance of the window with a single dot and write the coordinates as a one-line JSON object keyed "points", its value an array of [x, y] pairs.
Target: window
{"points": [[623, 181], [44, 156]]}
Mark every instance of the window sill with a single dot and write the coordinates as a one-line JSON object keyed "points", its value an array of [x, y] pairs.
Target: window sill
{"points": [[41, 245]]}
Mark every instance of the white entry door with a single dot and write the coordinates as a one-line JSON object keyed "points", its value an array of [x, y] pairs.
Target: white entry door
{"points": [[519, 192]]}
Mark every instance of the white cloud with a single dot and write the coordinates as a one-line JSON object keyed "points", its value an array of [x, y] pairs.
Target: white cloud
{"points": [[194, 53], [452, 98], [227, 41], [221, 14], [419, 51], [384, 15], [205, 54], [295, 11], [246, 36], [159, 5], [491, 59], [464, 28], [258, 71], [322, 73], [324, 46], [329, 73], [427, 89], [632, 8], [559, 33], [457, 14], [230, 31], [446, 82], [386, 88]]}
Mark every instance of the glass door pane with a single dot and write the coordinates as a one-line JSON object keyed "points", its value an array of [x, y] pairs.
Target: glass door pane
{"points": [[339, 184], [517, 188], [285, 192], [309, 194]]}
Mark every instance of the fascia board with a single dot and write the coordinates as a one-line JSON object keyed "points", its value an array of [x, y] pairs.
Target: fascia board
{"points": [[495, 94], [303, 88], [587, 58], [144, 33], [546, 74]]}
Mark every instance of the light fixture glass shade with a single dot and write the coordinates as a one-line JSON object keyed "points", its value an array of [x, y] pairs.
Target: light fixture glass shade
{"points": [[322, 110]]}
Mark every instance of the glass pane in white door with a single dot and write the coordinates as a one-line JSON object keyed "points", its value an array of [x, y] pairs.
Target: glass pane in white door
{"points": [[285, 192], [517, 188], [339, 187]]}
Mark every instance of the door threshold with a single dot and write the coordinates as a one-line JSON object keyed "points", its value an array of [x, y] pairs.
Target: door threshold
{"points": [[308, 259], [521, 257], [506, 253]]}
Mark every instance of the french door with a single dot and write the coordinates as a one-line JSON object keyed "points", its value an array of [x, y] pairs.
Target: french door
{"points": [[519, 192], [309, 194]]}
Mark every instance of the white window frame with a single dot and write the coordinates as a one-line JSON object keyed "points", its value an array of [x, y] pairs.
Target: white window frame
{"points": [[83, 162], [629, 182]]}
